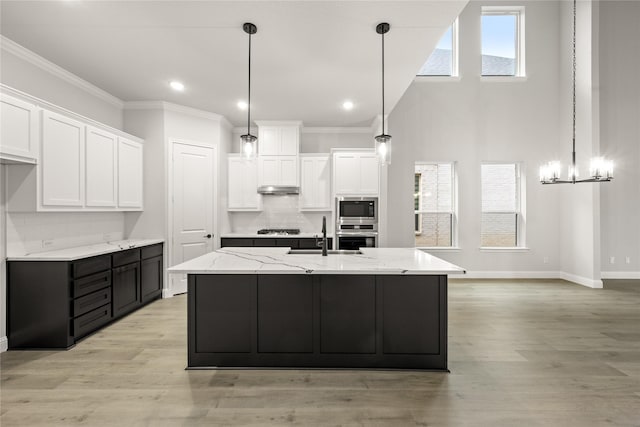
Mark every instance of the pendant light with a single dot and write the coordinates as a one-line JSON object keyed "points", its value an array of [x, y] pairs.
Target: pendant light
{"points": [[601, 170], [248, 140], [383, 141]]}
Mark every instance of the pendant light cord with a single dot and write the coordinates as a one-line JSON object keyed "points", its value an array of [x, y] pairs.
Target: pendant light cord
{"points": [[249, 95], [383, 83], [573, 154]]}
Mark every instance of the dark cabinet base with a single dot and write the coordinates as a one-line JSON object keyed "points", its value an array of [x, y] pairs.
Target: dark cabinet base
{"points": [[317, 321], [54, 304]]}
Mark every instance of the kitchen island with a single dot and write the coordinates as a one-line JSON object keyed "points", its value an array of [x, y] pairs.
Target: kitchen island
{"points": [[265, 307]]}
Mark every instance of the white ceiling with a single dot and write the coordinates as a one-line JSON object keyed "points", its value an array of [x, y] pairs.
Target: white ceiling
{"points": [[308, 56]]}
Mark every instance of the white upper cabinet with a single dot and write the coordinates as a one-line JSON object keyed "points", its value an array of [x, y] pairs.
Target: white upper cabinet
{"points": [[130, 167], [18, 130], [101, 154], [243, 184], [278, 170], [355, 173], [81, 165], [281, 140], [62, 161], [315, 182]]}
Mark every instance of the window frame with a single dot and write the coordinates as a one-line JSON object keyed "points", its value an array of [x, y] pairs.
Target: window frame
{"points": [[454, 206], [520, 60], [455, 57], [520, 211]]}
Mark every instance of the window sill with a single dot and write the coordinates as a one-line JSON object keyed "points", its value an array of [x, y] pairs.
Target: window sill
{"points": [[437, 79], [503, 79], [513, 249], [439, 248]]}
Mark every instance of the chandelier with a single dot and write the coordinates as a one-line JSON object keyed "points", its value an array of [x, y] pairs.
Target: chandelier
{"points": [[600, 170]]}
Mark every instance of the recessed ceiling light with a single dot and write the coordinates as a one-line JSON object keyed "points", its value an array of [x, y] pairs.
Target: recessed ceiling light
{"points": [[347, 105], [176, 85], [242, 105]]}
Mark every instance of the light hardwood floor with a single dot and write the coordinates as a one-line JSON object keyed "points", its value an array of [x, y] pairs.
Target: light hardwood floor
{"points": [[521, 353]]}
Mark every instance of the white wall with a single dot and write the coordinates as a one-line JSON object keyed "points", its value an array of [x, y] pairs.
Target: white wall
{"points": [[580, 204], [23, 75], [3, 264], [472, 120], [620, 135]]}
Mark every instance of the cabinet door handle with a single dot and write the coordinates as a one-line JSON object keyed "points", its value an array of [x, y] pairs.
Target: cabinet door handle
{"points": [[208, 236]]}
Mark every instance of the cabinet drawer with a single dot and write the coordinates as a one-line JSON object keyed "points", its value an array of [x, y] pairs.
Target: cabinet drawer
{"points": [[126, 257], [151, 251], [91, 301], [291, 243], [87, 266], [227, 242], [86, 285], [91, 321], [264, 242]]}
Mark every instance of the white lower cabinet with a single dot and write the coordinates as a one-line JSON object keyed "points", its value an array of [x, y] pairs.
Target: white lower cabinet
{"points": [[278, 170], [356, 173], [130, 167], [243, 184], [315, 182], [18, 130], [101, 167], [62, 161]]}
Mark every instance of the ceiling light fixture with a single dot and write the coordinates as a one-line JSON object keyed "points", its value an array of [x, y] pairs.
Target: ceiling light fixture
{"points": [[601, 170], [248, 140], [176, 85], [242, 105], [347, 105], [383, 141]]}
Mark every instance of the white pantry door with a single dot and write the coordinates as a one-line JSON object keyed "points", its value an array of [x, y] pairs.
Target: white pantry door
{"points": [[192, 234]]}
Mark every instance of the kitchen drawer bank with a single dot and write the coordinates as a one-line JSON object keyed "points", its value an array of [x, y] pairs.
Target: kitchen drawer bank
{"points": [[255, 307], [55, 303]]}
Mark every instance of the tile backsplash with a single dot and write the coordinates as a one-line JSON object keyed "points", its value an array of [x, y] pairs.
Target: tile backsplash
{"points": [[279, 212], [46, 231]]}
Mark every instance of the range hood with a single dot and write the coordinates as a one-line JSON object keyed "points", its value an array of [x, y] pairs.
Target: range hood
{"points": [[278, 190]]}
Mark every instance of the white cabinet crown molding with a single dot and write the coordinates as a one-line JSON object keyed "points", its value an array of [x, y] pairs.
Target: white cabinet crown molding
{"points": [[60, 110]]}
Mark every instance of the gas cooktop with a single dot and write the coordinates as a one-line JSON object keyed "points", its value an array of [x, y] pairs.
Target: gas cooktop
{"points": [[283, 231]]}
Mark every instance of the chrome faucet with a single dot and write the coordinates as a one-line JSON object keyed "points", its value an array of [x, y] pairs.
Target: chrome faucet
{"points": [[324, 236]]}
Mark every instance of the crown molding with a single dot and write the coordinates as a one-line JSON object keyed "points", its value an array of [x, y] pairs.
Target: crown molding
{"points": [[177, 108], [33, 58]]}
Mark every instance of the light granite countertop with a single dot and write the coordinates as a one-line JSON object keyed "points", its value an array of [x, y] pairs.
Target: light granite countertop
{"points": [[278, 261], [79, 252]]}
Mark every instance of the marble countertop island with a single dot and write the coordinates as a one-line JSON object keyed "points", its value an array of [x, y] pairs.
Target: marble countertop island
{"points": [[260, 260]]}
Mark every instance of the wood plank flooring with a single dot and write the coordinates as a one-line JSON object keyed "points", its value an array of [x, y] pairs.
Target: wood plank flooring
{"points": [[521, 353]]}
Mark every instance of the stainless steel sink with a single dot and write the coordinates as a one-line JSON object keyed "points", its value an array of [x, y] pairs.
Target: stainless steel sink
{"points": [[319, 252]]}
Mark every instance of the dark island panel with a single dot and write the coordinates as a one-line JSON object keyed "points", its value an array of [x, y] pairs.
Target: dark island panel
{"points": [[411, 315], [225, 313], [317, 321], [348, 314], [285, 314]]}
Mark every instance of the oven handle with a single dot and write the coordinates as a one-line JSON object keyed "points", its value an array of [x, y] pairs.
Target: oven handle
{"points": [[355, 234]]}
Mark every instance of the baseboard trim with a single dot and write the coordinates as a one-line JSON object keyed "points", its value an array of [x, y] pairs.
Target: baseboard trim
{"points": [[621, 274], [584, 281], [509, 275], [4, 344], [166, 293]]}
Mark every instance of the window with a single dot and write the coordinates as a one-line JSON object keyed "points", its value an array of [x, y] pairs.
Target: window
{"points": [[501, 217], [443, 61], [502, 41], [434, 204]]}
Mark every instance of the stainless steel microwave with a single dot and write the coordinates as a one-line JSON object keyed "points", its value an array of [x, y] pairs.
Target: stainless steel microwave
{"points": [[357, 209]]}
